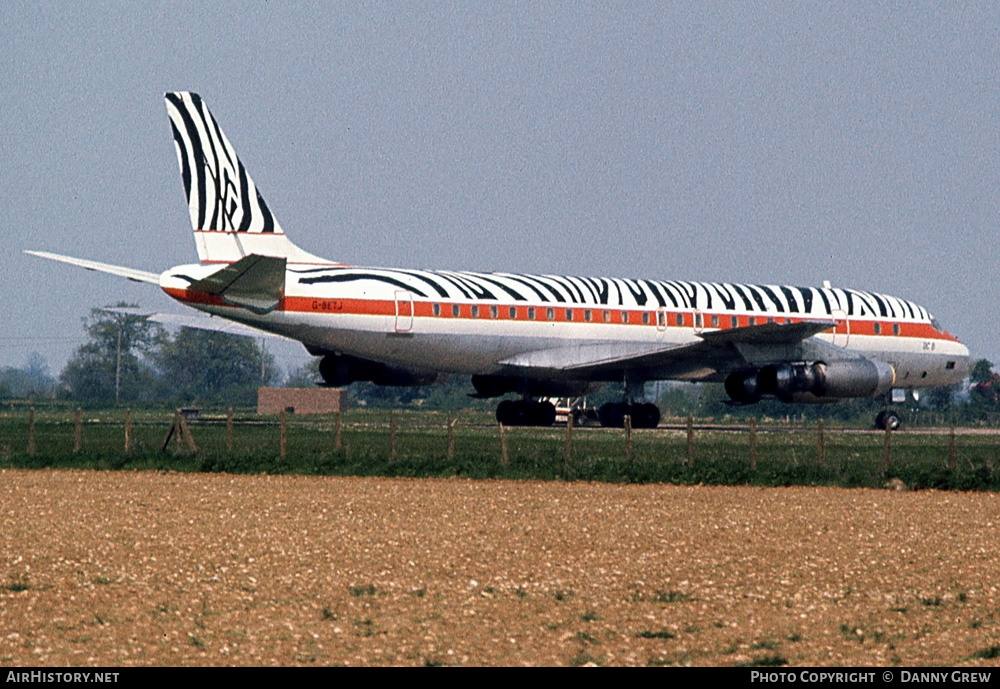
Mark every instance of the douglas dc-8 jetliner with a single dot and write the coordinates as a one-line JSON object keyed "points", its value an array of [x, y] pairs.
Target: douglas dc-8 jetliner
{"points": [[532, 335]]}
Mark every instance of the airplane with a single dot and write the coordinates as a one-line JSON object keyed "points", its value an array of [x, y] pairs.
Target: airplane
{"points": [[532, 336]]}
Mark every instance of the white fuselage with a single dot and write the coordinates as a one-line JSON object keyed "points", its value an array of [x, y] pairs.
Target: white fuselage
{"points": [[474, 322]]}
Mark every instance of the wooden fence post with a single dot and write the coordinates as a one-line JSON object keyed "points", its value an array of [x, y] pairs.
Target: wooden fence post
{"points": [[504, 458], [337, 444], [690, 434], [952, 458], [282, 421], [128, 430], [78, 431], [753, 443], [886, 452], [31, 432], [392, 436], [821, 450], [451, 438], [569, 437], [628, 437]]}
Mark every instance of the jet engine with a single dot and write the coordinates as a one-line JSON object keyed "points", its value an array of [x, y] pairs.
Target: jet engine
{"points": [[339, 370], [812, 382]]}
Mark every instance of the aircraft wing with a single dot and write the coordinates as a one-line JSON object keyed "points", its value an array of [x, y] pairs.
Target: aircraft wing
{"points": [[716, 354], [120, 271]]}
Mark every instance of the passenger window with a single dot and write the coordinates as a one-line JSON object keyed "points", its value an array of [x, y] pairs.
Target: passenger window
{"points": [[437, 309], [586, 315], [531, 313], [624, 316], [680, 319], [607, 316], [475, 311], [878, 328], [455, 311], [493, 312], [645, 317], [569, 314], [513, 313], [550, 314], [734, 322], [715, 321]]}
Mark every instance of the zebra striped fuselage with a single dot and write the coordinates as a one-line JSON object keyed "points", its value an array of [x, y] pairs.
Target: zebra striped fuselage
{"points": [[468, 322]]}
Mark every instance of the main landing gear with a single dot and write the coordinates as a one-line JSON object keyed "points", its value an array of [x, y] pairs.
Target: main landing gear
{"points": [[527, 412]]}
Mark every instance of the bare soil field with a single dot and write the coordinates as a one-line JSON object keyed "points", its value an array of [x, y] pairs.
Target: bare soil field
{"points": [[146, 568]]}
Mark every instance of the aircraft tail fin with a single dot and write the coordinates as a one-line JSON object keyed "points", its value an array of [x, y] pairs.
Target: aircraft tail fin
{"points": [[229, 216]]}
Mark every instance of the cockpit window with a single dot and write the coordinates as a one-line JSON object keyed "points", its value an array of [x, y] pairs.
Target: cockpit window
{"points": [[937, 326]]}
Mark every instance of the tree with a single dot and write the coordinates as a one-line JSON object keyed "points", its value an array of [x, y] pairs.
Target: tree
{"points": [[32, 381], [114, 365], [208, 367]]}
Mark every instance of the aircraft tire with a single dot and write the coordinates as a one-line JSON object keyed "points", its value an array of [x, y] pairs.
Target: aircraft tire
{"points": [[612, 415], [645, 415], [542, 414]]}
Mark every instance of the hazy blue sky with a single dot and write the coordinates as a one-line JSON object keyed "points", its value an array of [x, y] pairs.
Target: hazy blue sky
{"points": [[779, 142]]}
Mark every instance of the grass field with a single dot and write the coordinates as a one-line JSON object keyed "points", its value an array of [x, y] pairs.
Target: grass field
{"points": [[785, 455]]}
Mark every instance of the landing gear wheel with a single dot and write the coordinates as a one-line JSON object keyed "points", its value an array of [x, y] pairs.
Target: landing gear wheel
{"points": [[525, 413], [645, 416], [612, 415], [888, 419], [543, 414]]}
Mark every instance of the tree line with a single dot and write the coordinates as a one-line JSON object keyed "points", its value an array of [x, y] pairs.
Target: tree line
{"points": [[128, 359]]}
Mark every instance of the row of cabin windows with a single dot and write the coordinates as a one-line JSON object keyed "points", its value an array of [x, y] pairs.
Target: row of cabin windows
{"points": [[662, 319]]}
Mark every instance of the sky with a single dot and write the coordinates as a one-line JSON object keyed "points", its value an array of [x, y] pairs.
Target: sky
{"points": [[777, 143]]}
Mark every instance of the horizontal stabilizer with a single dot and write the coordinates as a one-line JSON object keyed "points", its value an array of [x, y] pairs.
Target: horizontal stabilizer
{"points": [[120, 271], [256, 283], [219, 325]]}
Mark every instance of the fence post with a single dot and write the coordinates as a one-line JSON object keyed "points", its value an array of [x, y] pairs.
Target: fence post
{"points": [[78, 432], [229, 429], [31, 432], [821, 450], [392, 436], [504, 459], [569, 437], [753, 443], [690, 433], [628, 437], [128, 430], [451, 438], [886, 452], [952, 459], [336, 440], [282, 421]]}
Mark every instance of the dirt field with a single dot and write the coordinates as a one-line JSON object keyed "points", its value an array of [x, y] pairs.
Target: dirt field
{"points": [[105, 568]]}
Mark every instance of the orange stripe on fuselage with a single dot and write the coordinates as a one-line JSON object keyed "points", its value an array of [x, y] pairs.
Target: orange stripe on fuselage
{"points": [[567, 314]]}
